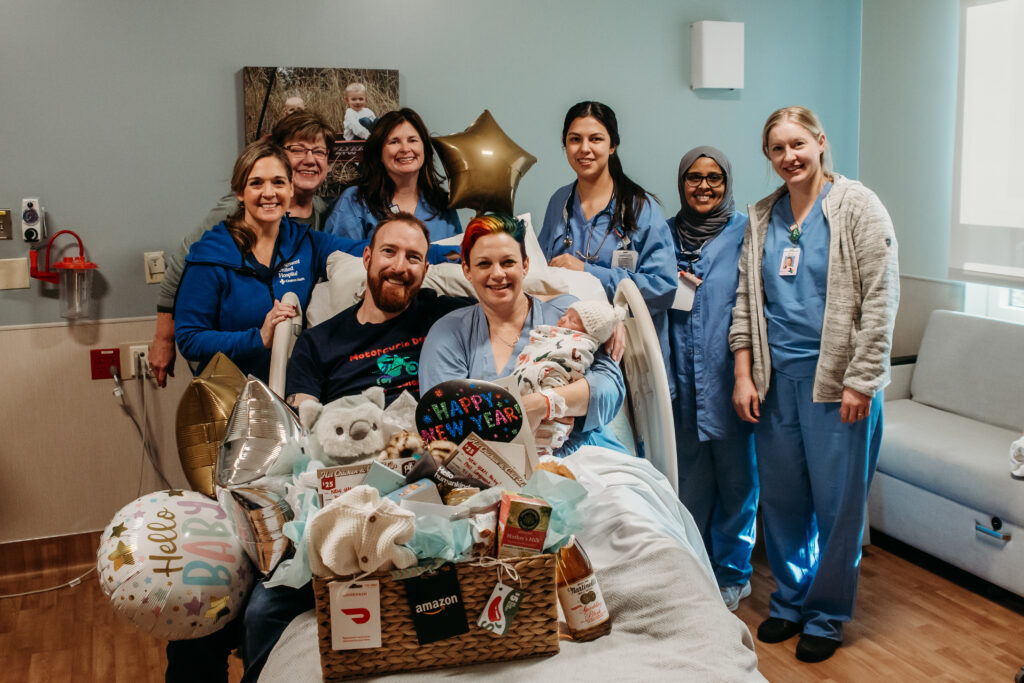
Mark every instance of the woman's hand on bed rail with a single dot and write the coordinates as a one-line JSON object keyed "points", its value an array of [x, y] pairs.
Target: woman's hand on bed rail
{"points": [[616, 344], [278, 313]]}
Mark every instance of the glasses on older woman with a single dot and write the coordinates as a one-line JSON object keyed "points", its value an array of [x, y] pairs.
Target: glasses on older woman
{"points": [[301, 151], [713, 179]]}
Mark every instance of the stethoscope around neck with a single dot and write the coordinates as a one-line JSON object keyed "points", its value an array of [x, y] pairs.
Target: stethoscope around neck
{"points": [[567, 238]]}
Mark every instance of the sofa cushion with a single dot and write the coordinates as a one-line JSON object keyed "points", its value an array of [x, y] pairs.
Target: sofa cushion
{"points": [[972, 366], [963, 460]]}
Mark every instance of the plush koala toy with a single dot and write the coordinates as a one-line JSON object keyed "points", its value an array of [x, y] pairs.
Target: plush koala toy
{"points": [[346, 431]]}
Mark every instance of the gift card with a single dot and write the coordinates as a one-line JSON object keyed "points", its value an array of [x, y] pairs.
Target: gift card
{"points": [[355, 615], [435, 603]]}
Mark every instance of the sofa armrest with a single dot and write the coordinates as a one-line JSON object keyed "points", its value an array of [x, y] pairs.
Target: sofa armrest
{"points": [[899, 385]]}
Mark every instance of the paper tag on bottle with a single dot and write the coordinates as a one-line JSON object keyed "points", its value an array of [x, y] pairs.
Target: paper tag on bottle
{"points": [[582, 603], [355, 615], [435, 602], [500, 609]]}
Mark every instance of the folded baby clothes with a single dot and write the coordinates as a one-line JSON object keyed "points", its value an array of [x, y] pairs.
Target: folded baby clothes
{"points": [[360, 532]]}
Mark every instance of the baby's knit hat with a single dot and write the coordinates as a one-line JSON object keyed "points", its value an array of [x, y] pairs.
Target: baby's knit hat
{"points": [[360, 532], [598, 317]]}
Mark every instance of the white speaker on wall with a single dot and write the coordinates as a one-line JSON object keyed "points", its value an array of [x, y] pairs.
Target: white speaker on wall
{"points": [[716, 54]]}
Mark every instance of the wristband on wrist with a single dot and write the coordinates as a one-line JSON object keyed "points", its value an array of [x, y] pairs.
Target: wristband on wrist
{"points": [[557, 406]]}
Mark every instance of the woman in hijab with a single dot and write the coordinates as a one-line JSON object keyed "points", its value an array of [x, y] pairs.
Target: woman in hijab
{"points": [[714, 448]]}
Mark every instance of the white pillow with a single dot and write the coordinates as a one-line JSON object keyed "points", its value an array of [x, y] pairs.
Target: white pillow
{"points": [[346, 279]]}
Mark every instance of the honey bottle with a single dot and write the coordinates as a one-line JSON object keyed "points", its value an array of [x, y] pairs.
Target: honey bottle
{"points": [[585, 611]]}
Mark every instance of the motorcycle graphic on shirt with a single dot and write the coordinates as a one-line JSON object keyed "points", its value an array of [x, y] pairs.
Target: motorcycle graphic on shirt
{"points": [[392, 366]]}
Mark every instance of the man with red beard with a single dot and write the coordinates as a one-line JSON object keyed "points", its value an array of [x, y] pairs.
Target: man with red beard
{"points": [[377, 342]]}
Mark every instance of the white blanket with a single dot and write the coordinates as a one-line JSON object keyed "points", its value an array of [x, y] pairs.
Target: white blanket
{"points": [[669, 621]]}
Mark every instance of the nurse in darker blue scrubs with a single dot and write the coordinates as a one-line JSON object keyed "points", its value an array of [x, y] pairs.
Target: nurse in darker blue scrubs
{"points": [[604, 223], [811, 334], [397, 173], [714, 447]]}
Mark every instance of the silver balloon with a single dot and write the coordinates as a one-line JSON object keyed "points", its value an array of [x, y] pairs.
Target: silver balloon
{"points": [[259, 516], [261, 442], [259, 434]]}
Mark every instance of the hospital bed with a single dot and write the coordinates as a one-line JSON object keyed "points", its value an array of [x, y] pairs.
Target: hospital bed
{"points": [[669, 620]]}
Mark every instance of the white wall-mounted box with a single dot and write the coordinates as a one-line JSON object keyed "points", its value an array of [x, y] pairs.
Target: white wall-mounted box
{"points": [[716, 54]]}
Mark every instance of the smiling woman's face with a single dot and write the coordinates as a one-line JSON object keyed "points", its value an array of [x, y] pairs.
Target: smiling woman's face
{"points": [[403, 151], [703, 198], [496, 269]]}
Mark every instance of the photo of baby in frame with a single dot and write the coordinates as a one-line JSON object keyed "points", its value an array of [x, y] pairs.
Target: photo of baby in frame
{"points": [[351, 100]]}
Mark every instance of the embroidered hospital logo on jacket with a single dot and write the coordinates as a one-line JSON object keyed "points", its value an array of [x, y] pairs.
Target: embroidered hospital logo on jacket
{"points": [[289, 273]]}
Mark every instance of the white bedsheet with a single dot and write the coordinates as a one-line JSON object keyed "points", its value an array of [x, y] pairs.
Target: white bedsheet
{"points": [[669, 621]]}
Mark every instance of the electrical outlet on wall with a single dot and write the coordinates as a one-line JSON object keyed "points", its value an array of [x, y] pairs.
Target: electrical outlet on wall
{"points": [[155, 267], [134, 355]]}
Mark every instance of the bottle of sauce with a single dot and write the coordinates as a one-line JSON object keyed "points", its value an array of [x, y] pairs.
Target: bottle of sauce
{"points": [[582, 603]]}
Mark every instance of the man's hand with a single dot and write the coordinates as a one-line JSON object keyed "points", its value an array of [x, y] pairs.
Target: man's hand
{"points": [[161, 350]]}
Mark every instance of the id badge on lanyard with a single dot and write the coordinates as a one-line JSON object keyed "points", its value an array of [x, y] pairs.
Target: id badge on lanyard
{"points": [[624, 257]]}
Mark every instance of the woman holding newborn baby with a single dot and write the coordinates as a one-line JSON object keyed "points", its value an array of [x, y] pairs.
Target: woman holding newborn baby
{"points": [[485, 341]]}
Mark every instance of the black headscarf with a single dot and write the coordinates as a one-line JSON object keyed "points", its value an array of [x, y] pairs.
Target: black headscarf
{"points": [[696, 229]]}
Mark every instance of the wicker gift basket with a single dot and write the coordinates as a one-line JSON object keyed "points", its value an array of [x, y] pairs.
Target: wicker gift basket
{"points": [[533, 633]]}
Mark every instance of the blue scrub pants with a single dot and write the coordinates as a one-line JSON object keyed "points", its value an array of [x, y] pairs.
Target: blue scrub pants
{"points": [[718, 485], [268, 614], [815, 473]]}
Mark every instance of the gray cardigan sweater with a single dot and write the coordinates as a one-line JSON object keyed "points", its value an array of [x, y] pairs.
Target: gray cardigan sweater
{"points": [[862, 294]]}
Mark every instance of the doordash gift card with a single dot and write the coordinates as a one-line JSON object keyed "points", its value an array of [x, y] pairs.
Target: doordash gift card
{"points": [[355, 615]]}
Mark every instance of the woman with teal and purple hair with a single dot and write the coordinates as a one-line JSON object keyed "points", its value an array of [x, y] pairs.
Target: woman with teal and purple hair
{"points": [[483, 341]]}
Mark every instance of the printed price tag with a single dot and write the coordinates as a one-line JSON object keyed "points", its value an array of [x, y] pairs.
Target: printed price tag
{"points": [[355, 615], [500, 609]]}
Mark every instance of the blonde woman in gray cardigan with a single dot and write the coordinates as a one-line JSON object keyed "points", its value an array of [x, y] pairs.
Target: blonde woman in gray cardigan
{"points": [[811, 333]]}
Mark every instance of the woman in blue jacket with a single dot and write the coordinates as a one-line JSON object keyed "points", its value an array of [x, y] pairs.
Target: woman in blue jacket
{"points": [[717, 469], [235, 276], [604, 223], [397, 173]]}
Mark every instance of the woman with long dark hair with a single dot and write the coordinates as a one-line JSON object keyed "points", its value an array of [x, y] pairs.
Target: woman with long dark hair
{"points": [[603, 222], [397, 173]]}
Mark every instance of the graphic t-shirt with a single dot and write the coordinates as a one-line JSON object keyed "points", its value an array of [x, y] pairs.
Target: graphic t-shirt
{"points": [[342, 357]]}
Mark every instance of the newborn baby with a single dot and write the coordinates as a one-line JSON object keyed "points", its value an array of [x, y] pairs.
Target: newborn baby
{"points": [[560, 354]]}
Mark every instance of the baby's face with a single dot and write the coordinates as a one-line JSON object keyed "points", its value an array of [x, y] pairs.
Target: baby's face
{"points": [[571, 321], [356, 100]]}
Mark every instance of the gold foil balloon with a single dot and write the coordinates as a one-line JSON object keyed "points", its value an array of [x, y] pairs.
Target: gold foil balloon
{"points": [[202, 418], [262, 441], [484, 166]]}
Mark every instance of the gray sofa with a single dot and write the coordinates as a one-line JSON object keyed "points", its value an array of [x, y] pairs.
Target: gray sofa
{"points": [[943, 483]]}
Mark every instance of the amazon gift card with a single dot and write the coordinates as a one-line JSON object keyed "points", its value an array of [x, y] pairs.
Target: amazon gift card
{"points": [[435, 602]]}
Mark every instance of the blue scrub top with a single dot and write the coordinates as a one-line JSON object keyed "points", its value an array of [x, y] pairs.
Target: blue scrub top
{"points": [[702, 364], [351, 218], [655, 273], [795, 305], [458, 346]]}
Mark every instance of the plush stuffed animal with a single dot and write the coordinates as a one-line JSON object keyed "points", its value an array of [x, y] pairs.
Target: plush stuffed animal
{"points": [[346, 431]]}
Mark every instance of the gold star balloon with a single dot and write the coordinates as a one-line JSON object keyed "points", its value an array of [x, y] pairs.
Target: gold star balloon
{"points": [[202, 418], [484, 166]]}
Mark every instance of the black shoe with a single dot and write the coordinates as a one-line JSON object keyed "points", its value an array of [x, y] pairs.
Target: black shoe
{"points": [[816, 648], [776, 630]]}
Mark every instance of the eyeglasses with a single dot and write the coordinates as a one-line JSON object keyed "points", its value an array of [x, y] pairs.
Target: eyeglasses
{"points": [[695, 179], [302, 150]]}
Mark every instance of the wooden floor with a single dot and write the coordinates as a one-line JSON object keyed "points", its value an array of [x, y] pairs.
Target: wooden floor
{"points": [[911, 625]]}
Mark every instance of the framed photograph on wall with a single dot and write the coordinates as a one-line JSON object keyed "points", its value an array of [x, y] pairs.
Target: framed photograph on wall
{"points": [[349, 99]]}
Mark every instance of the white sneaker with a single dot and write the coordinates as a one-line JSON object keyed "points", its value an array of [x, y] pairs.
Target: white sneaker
{"points": [[733, 594]]}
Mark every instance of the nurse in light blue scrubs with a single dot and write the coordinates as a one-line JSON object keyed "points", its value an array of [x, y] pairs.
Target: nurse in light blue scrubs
{"points": [[604, 223], [483, 341], [397, 173], [715, 449], [811, 334]]}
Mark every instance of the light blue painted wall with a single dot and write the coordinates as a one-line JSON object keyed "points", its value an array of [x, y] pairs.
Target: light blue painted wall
{"points": [[908, 123], [124, 116]]}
